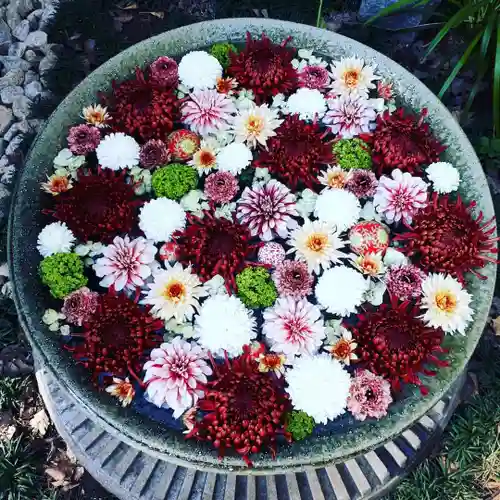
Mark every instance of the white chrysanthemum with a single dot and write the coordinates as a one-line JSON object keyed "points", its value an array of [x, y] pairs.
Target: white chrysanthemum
{"points": [[174, 293], [224, 324], [338, 207], [444, 176], [234, 158], [199, 70], [341, 290], [118, 151], [351, 77], [446, 304], [255, 125], [160, 217], [55, 238], [319, 386], [317, 244], [307, 103], [294, 327]]}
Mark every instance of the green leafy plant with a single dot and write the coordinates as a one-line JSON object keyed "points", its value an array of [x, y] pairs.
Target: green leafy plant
{"points": [[62, 273], [299, 424], [256, 288], [488, 150], [11, 390], [221, 52], [482, 18], [174, 180], [352, 153]]}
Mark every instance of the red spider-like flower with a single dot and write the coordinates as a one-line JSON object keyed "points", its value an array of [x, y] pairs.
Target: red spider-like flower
{"points": [[264, 67], [245, 409], [296, 153], [213, 246], [116, 338], [444, 237], [99, 207], [144, 109], [403, 142], [395, 344]]}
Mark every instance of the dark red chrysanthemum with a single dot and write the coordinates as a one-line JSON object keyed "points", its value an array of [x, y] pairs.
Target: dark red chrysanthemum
{"points": [[143, 109], [117, 338], [403, 142], [445, 238], [296, 153], [99, 206], [245, 409], [213, 246], [395, 344], [264, 67]]}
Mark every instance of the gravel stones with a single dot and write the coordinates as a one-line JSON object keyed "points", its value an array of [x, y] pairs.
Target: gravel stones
{"points": [[33, 90], [21, 107], [9, 94], [30, 76], [14, 62], [12, 78], [22, 30], [17, 49], [6, 118], [36, 39], [5, 37], [47, 63]]}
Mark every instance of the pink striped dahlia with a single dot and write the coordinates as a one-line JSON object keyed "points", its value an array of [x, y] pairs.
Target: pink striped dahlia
{"points": [[314, 77], [175, 375], [125, 263], [268, 209], [207, 112]]}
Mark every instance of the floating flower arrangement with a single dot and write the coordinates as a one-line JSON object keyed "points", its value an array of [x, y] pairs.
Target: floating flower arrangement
{"points": [[256, 241]]}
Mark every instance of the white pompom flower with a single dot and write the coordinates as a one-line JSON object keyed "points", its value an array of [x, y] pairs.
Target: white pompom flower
{"points": [[444, 176], [341, 290], [319, 386], [234, 158], [307, 103], [224, 324], [55, 238], [117, 151], [160, 217], [338, 207], [199, 70]]}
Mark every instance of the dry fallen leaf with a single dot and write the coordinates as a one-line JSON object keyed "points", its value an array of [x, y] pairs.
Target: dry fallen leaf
{"points": [[496, 325], [56, 474], [40, 422], [7, 429]]}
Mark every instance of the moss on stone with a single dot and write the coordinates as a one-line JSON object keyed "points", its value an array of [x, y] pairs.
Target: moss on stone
{"points": [[174, 181], [352, 153], [62, 273], [256, 288]]}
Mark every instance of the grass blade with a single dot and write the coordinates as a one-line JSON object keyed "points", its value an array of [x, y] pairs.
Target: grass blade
{"points": [[496, 86], [396, 7], [319, 16], [459, 64]]}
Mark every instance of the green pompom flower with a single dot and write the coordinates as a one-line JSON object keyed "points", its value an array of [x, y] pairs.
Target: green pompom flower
{"points": [[256, 288], [299, 424], [352, 153], [174, 180], [62, 273], [221, 52]]}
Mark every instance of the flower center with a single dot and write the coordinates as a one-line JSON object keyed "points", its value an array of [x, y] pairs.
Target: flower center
{"points": [[96, 117], [446, 301], [188, 146], [369, 266], [369, 394], [206, 159], [336, 180], [59, 184], [317, 242], [255, 125], [174, 291], [342, 349], [351, 78], [272, 361]]}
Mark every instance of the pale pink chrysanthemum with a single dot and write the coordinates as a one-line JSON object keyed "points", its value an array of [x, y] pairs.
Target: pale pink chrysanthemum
{"points": [[400, 197], [361, 183], [174, 374], [208, 112], [125, 263], [404, 282], [293, 279], [294, 327], [349, 116], [221, 187], [80, 305], [369, 396], [314, 77], [267, 209]]}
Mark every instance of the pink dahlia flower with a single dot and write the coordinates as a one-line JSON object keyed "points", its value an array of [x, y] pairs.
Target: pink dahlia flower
{"points": [[314, 77], [404, 282], [163, 71], [221, 187], [361, 183], [208, 112], [268, 209], [293, 279], [369, 396], [80, 305], [400, 197], [384, 90], [294, 327], [175, 375], [83, 139], [349, 116], [125, 263]]}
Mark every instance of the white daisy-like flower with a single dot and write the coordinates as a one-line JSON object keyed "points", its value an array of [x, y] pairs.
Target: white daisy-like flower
{"points": [[338, 207], [205, 159], [307, 103], [255, 124], [351, 76], [446, 304], [160, 217], [316, 243], [236, 330], [334, 177], [55, 238], [117, 151], [233, 158], [174, 293], [319, 386], [199, 70], [294, 327], [342, 346], [341, 290], [444, 176]]}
